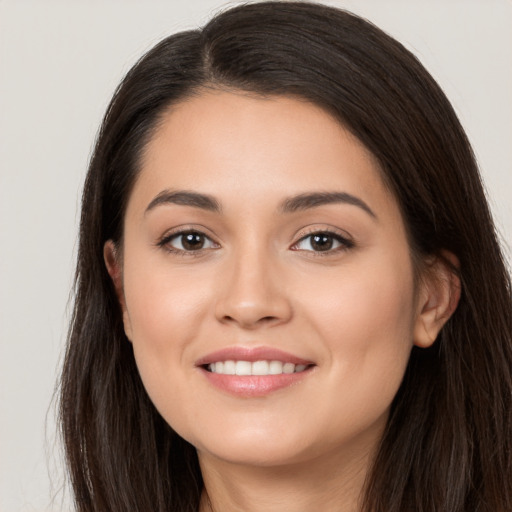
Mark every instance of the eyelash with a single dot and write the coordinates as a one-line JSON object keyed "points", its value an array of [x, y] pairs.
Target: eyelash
{"points": [[165, 242], [344, 242]]}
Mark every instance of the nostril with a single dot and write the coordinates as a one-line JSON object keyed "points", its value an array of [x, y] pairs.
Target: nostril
{"points": [[247, 321], [265, 311]]}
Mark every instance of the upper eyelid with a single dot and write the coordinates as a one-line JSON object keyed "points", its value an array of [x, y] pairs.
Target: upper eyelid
{"points": [[311, 230], [345, 240], [180, 230], [340, 239], [300, 235], [164, 242]]}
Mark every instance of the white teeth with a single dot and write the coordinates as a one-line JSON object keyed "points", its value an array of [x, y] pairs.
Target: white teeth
{"points": [[229, 368], [260, 368], [275, 367], [288, 368], [255, 368], [243, 368]]}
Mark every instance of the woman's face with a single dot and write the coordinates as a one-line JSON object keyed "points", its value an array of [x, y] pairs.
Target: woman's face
{"points": [[260, 240]]}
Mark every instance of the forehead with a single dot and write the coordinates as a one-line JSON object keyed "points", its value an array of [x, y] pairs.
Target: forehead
{"points": [[235, 144]]}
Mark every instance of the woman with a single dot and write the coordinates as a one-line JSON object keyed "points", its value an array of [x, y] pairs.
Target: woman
{"points": [[289, 290]]}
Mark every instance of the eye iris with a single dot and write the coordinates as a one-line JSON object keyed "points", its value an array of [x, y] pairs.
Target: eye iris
{"points": [[192, 241], [321, 242]]}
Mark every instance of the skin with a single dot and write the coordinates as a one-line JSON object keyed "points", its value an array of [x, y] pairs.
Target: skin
{"points": [[354, 311]]}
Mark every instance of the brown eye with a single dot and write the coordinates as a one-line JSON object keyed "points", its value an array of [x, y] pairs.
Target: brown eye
{"points": [[188, 241], [192, 241], [322, 242]]}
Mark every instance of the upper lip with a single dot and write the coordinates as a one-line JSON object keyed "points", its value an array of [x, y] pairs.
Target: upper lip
{"points": [[251, 354]]}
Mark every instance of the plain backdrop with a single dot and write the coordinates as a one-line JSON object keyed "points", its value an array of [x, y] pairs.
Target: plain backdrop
{"points": [[59, 64]]}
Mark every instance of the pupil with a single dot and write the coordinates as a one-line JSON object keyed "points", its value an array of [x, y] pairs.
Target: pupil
{"points": [[193, 241], [321, 242]]}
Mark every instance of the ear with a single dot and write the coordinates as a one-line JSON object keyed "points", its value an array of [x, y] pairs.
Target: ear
{"points": [[114, 269], [439, 296]]}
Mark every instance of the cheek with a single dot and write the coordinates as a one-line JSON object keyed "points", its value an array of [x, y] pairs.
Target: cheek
{"points": [[364, 320], [164, 302], [372, 298], [366, 317], [367, 310], [165, 312]]}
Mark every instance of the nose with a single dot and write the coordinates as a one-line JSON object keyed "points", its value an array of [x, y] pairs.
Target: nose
{"points": [[253, 294]]}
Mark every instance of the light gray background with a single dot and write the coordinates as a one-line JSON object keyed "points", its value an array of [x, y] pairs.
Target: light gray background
{"points": [[59, 64]]}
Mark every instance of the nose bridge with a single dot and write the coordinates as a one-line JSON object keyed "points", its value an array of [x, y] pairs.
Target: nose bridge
{"points": [[253, 293]]}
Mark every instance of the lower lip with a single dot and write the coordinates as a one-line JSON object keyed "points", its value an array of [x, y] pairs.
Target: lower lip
{"points": [[254, 385]]}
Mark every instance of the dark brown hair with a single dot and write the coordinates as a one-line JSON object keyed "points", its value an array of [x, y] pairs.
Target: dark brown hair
{"points": [[448, 442]]}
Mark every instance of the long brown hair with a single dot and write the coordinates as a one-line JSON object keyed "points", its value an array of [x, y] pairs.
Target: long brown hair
{"points": [[448, 442]]}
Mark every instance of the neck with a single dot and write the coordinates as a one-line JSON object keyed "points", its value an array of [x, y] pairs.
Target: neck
{"points": [[332, 483]]}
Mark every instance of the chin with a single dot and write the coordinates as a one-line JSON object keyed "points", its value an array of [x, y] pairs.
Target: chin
{"points": [[252, 447], [253, 454]]}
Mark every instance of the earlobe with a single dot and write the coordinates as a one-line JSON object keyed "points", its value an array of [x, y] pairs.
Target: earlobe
{"points": [[439, 297], [114, 269]]}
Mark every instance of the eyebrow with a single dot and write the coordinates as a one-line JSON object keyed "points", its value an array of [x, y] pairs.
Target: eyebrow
{"points": [[185, 198], [293, 204], [312, 200]]}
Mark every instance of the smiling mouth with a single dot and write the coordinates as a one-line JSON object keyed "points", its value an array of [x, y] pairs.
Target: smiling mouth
{"points": [[255, 368], [253, 372]]}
